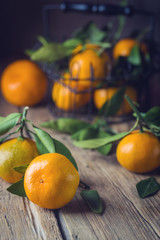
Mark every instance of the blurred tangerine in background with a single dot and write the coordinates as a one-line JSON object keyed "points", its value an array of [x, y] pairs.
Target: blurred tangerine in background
{"points": [[23, 83]]}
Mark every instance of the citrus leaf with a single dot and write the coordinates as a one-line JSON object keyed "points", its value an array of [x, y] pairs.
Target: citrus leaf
{"points": [[90, 32], [93, 200], [42, 40], [66, 125], [50, 52], [21, 169], [1, 119], [90, 133], [9, 122], [111, 107], [147, 187], [40, 146], [86, 133], [44, 141], [153, 116], [135, 57], [72, 43], [105, 150], [62, 149], [17, 188], [96, 143]]}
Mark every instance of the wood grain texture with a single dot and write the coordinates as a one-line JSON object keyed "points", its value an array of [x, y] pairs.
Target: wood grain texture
{"points": [[126, 216]]}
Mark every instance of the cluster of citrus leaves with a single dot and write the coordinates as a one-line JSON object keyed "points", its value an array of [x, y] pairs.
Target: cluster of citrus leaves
{"points": [[82, 130], [92, 136], [45, 144], [50, 51]]}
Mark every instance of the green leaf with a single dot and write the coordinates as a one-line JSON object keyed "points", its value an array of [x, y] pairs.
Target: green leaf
{"points": [[93, 200], [40, 146], [9, 122], [111, 107], [21, 169], [44, 141], [50, 52], [66, 125], [90, 33], [153, 116], [86, 133], [147, 187], [135, 57], [72, 43], [42, 40], [1, 119], [96, 143], [62, 149], [105, 150], [18, 188], [90, 133]]}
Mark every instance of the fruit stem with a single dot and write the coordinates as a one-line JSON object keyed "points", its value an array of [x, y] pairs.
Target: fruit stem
{"points": [[24, 114], [141, 127]]}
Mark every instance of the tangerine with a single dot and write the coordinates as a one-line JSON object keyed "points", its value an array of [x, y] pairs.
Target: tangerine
{"points": [[23, 83], [124, 47], [88, 64], [70, 95], [51, 181], [14, 153], [104, 94], [139, 152]]}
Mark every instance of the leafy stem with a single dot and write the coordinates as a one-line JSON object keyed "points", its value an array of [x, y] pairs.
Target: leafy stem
{"points": [[24, 114]]}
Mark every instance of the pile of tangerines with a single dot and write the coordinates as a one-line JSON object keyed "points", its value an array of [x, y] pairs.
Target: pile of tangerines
{"points": [[23, 83]]}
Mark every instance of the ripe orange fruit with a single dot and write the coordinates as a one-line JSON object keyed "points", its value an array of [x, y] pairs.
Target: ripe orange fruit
{"points": [[83, 63], [51, 181], [104, 94], [124, 47], [70, 95], [139, 152], [23, 83], [14, 153]]}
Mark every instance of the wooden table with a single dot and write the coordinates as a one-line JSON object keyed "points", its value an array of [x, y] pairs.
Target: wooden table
{"points": [[126, 216]]}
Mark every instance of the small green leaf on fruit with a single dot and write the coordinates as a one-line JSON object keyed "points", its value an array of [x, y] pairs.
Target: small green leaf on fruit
{"points": [[21, 169], [93, 200], [17, 188], [147, 187]]}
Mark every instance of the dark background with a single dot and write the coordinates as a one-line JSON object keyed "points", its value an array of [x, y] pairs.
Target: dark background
{"points": [[21, 22]]}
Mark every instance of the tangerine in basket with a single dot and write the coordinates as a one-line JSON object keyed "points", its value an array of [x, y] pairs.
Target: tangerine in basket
{"points": [[23, 83], [89, 63], [51, 181], [70, 95], [104, 94], [123, 47]]}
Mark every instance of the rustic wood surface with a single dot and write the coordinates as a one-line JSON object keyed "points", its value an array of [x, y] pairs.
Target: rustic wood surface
{"points": [[125, 217]]}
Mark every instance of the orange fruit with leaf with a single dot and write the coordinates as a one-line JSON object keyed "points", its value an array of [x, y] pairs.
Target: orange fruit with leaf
{"points": [[105, 94], [23, 83], [139, 152], [89, 63], [69, 95], [123, 47], [51, 181]]}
